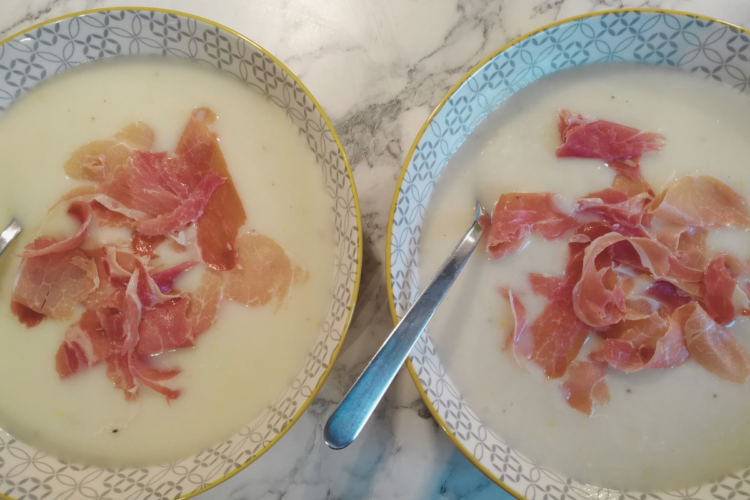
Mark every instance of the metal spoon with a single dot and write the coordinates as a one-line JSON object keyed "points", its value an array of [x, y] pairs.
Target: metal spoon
{"points": [[355, 409], [10, 232]]}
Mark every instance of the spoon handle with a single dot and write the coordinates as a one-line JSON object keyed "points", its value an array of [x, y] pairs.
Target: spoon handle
{"points": [[10, 232], [355, 409]]}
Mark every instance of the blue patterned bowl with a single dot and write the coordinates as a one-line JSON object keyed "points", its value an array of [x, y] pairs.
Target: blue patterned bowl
{"points": [[40, 52], [685, 41]]}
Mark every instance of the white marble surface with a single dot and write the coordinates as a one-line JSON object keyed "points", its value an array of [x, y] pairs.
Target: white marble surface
{"points": [[378, 67]]}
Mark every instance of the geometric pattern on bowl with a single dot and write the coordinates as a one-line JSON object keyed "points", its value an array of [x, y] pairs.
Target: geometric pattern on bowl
{"points": [[686, 41], [42, 51]]}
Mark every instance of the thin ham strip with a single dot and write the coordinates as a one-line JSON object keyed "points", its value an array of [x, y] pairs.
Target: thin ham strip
{"points": [[712, 345], [85, 345], [82, 213], [701, 201], [585, 137], [724, 298], [514, 341], [150, 377], [224, 214], [517, 214], [585, 386], [165, 279]]}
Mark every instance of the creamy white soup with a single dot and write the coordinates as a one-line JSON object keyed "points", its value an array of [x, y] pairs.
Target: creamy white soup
{"points": [[662, 429], [239, 367]]}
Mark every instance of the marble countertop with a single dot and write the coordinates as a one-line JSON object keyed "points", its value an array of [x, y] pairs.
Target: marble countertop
{"points": [[378, 68]]}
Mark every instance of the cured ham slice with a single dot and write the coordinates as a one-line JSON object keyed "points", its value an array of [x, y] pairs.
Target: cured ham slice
{"points": [[654, 342], [188, 211], [724, 298], [263, 271], [668, 294], [557, 334], [85, 345], [204, 303], [101, 160], [585, 386], [701, 201], [165, 327], [616, 206], [150, 377], [78, 210], [585, 137], [517, 214], [224, 214], [54, 283], [712, 345], [143, 185], [119, 372]]}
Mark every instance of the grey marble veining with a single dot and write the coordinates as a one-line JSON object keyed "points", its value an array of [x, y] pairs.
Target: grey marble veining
{"points": [[378, 68]]}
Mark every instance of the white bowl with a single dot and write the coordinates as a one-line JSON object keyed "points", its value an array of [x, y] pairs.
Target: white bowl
{"points": [[30, 57], [686, 41]]}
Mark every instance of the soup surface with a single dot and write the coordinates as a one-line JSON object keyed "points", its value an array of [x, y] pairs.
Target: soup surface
{"points": [[662, 429], [241, 365]]}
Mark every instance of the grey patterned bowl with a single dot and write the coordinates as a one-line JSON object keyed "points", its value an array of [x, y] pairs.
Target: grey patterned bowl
{"points": [[689, 42], [39, 53]]}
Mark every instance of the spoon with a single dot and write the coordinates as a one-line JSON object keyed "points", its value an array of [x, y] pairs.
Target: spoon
{"points": [[355, 409], [10, 232]]}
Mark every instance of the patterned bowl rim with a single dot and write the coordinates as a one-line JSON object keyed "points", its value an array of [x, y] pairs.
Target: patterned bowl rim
{"points": [[389, 235], [350, 175]]}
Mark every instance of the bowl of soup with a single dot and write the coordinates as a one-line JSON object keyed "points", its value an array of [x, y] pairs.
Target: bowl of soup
{"points": [[189, 261], [586, 350]]}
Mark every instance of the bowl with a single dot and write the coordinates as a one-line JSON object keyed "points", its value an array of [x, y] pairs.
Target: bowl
{"points": [[36, 54], [685, 41]]}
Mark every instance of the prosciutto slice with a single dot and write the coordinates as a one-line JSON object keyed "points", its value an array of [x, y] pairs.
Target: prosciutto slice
{"points": [[165, 327], [701, 201], [188, 211], [654, 342], [224, 214], [101, 160], [264, 271], [82, 213], [712, 345], [616, 206], [585, 386], [52, 284], [85, 345], [584, 137], [725, 299], [517, 214], [668, 294]]}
